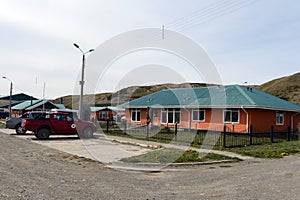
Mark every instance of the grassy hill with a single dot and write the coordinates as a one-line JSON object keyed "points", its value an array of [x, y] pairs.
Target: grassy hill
{"points": [[287, 88], [122, 96]]}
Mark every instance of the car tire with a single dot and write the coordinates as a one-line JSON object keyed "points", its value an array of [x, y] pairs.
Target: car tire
{"points": [[43, 133], [19, 130], [87, 133]]}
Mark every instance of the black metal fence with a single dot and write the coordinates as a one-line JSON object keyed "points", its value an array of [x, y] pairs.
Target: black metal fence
{"points": [[224, 138]]}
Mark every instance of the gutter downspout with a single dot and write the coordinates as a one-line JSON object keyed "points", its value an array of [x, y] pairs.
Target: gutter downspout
{"points": [[247, 116], [292, 121], [189, 119]]}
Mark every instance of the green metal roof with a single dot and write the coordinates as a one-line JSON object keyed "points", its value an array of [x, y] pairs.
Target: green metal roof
{"points": [[214, 96], [18, 97], [95, 109], [60, 106], [25, 104], [46, 102], [31, 104]]}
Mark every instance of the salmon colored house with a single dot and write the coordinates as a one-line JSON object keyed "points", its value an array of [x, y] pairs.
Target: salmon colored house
{"points": [[209, 108], [105, 113]]}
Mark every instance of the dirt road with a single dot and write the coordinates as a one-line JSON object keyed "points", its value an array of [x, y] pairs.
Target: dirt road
{"points": [[31, 171]]}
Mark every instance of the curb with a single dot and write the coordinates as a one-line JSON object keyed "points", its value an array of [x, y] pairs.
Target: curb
{"points": [[158, 167], [136, 144]]}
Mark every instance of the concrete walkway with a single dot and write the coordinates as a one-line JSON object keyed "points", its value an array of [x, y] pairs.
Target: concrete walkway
{"points": [[110, 149], [155, 167]]}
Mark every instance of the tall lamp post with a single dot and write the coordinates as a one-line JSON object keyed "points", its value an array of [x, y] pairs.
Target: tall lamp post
{"points": [[81, 83], [10, 94]]}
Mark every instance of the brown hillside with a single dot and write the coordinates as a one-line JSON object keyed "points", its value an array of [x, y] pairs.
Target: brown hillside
{"points": [[287, 88], [122, 96]]}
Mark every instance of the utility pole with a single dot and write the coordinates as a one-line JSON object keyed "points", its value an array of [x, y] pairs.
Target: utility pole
{"points": [[163, 32], [10, 95], [81, 83]]}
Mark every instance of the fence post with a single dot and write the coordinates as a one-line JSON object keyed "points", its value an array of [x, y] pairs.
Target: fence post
{"points": [[272, 134], [251, 134], [125, 128], [289, 134], [107, 125], [224, 135], [176, 131], [147, 130]]}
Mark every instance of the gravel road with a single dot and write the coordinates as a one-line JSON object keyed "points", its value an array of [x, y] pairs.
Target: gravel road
{"points": [[32, 171]]}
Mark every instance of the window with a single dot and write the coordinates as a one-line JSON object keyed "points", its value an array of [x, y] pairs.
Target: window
{"points": [[135, 115], [198, 115], [70, 118], [279, 118], [170, 116], [103, 115], [231, 116], [60, 117]]}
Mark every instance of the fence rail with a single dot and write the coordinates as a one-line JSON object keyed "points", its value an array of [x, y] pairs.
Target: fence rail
{"points": [[225, 138]]}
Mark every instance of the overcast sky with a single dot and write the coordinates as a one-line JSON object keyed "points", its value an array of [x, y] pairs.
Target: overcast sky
{"points": [[248, 40]]}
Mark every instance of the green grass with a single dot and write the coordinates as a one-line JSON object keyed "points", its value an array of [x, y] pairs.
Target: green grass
{"points": [[2, 124], [265, 149], [271, 150], [175, 156]]}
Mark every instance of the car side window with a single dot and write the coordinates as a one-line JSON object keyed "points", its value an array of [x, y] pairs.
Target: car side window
{"points": [[59, 117], [25, 116], [70, 118]]}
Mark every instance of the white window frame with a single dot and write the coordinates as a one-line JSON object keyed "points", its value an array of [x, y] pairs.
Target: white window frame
{"points": [[231, 111], [279, 115], [135, 111], [169, 110], [198, 110]]}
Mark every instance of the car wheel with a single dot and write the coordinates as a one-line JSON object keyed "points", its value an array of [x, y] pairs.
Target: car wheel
{"points": [[19, 130], [43, 133], [87, 133]]}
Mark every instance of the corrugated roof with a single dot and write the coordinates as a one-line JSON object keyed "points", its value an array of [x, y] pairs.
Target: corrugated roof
{"points": [[113, 108], [18, 97], [60, 106], [214, 96], [37, 104], [25, 104], [95, 109]]}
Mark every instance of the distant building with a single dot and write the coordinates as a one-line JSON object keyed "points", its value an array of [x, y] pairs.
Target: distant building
{"points": [[16, 99], [106, 113], [35, 105]]}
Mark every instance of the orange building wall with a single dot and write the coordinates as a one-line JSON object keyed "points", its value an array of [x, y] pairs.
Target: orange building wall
{"points": [[214, 121], [263, 120], [143, 116], [260, 119]]}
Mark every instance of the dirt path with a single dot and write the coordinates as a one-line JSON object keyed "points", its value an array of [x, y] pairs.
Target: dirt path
{"points": [[31, 171]]}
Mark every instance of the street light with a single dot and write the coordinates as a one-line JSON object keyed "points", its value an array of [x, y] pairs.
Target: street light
{"points": [[81, 83], [10, 94]]}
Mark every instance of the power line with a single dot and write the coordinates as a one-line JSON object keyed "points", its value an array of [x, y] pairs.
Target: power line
{"points": [[209, 14], [206, 9]]}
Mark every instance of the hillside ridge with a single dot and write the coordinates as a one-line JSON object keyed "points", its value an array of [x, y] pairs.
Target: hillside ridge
{"points": [[287, 88]]}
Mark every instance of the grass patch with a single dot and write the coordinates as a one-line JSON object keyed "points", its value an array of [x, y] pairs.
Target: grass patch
{"points": [[2, 123], [175, 156], [271, 150], [264, 150]]}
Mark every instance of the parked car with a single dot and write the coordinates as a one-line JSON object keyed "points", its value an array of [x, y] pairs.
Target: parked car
{"points": [[59, 123], [15, 122], [3, 114]]}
